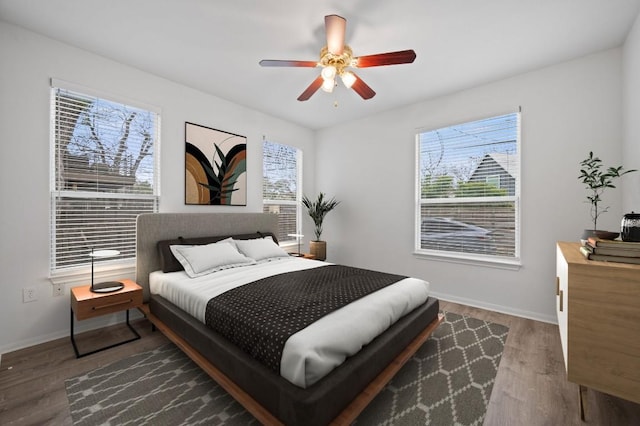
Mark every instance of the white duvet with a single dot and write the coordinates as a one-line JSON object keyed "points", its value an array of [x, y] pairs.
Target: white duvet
{"points": [[313, 352]]}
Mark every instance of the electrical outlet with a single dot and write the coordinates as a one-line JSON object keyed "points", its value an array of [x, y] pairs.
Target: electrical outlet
{"points": [[58, 290], [29, 294]]}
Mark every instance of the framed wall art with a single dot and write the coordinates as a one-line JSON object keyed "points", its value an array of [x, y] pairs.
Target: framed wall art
{"points": [[215, 167]]}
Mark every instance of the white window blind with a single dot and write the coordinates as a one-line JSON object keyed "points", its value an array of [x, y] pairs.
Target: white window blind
{"points": [[103, 175], [469, 189], [281, 187]]}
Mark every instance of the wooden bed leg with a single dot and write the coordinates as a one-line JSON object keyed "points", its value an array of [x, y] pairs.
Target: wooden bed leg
{"points": [[582, 395]]}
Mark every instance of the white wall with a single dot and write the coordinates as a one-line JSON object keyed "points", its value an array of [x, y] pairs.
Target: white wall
{"points": [[27, 63], [567, 110], [631, 114]]}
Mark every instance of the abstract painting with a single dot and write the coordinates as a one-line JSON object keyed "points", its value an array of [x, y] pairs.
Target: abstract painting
{"points": [[215, 167]]}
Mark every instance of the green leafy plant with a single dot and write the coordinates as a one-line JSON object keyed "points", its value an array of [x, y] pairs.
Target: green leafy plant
{"points": [[597, 180], [318, 209]]}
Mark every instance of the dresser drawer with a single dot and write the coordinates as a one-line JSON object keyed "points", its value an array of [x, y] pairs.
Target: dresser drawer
{"points": [[88, 305]]}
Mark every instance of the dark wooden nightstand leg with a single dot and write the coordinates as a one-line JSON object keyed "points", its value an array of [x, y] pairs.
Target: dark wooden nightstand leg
{"points": [[73, 339], [79, 355]]}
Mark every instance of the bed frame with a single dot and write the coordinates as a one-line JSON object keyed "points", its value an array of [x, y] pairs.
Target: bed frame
{"points": [[337, 399]]}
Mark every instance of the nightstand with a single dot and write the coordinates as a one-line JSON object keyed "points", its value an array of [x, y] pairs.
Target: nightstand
{"points": [[303, 255], [85, 305]]}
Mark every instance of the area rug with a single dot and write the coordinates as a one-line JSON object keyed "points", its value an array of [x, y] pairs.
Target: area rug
{"points": [[448, 381]]}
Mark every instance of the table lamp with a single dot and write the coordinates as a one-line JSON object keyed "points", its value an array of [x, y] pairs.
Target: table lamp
{"points": [[107, 286], [298, 237]]}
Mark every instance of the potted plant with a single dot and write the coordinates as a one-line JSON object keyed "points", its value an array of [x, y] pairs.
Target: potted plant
{"points": [[596, 181], [317, 210]]}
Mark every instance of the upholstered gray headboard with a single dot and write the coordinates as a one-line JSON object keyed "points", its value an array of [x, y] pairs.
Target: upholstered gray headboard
{"points": [[154, 227]]}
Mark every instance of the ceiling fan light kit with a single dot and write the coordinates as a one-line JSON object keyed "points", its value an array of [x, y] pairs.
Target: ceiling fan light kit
{"points": [[335, 59], [328, 85]]}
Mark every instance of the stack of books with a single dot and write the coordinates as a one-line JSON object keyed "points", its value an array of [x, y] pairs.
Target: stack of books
{"points": [[611, 250]]}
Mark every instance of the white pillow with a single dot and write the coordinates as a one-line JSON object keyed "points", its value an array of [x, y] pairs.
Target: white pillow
{"points": [[204, 259], [228, 240], [260, 249]]}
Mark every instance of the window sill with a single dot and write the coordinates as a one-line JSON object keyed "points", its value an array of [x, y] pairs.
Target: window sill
{"points": [[508, 263], [82, 276]]}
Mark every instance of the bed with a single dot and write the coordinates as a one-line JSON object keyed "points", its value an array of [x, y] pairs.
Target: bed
{"points": [[338, 397]]}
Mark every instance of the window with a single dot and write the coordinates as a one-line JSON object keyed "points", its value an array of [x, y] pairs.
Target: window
{"points": [[282, 187], [103, 175], [493, 180], [468, 190]]}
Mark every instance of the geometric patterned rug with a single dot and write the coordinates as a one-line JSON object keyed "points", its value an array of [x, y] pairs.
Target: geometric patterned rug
{"points": [[449, 379], [447, 382]]}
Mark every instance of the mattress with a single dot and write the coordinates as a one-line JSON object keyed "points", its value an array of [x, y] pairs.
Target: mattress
{"points": [[316, 350]]}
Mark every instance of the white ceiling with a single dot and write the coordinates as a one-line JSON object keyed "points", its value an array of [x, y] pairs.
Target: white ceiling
{"points": [[215, 45]]}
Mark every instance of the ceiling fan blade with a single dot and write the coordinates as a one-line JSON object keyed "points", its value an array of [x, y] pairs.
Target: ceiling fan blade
{"points": [[313, 88], [279, 63], [390, 58], [362, 88], [335, 27]]}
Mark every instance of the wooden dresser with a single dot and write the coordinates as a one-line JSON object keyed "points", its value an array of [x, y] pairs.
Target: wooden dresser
{"points": [[598, 306]]}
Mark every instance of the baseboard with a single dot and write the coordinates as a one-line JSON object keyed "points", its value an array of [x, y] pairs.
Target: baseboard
{"points": [[537, 316], [80, 327], [135, 315], [22, 344]]}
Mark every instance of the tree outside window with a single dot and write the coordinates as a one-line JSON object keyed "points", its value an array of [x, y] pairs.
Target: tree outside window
{"points": [[104, 175], [282, 187]]}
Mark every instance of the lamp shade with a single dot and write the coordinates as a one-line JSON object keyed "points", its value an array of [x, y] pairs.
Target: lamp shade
{"points": [[108, 286], [328, 72], [327, 85], [348, 78], [297, 237], [104, 253]]}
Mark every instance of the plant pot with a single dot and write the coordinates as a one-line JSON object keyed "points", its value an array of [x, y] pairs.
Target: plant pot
{"points": [[603, 235], [318, 249]]}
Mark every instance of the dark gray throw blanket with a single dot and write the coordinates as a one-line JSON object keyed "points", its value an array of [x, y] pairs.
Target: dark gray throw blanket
{"points": [[260, 316]]}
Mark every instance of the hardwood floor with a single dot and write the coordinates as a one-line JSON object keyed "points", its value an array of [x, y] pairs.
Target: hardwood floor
{"points": [[530, 387], [32, 390]]}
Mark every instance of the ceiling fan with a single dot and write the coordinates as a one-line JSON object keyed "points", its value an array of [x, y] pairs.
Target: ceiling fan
{"points": [[336, 58]]}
